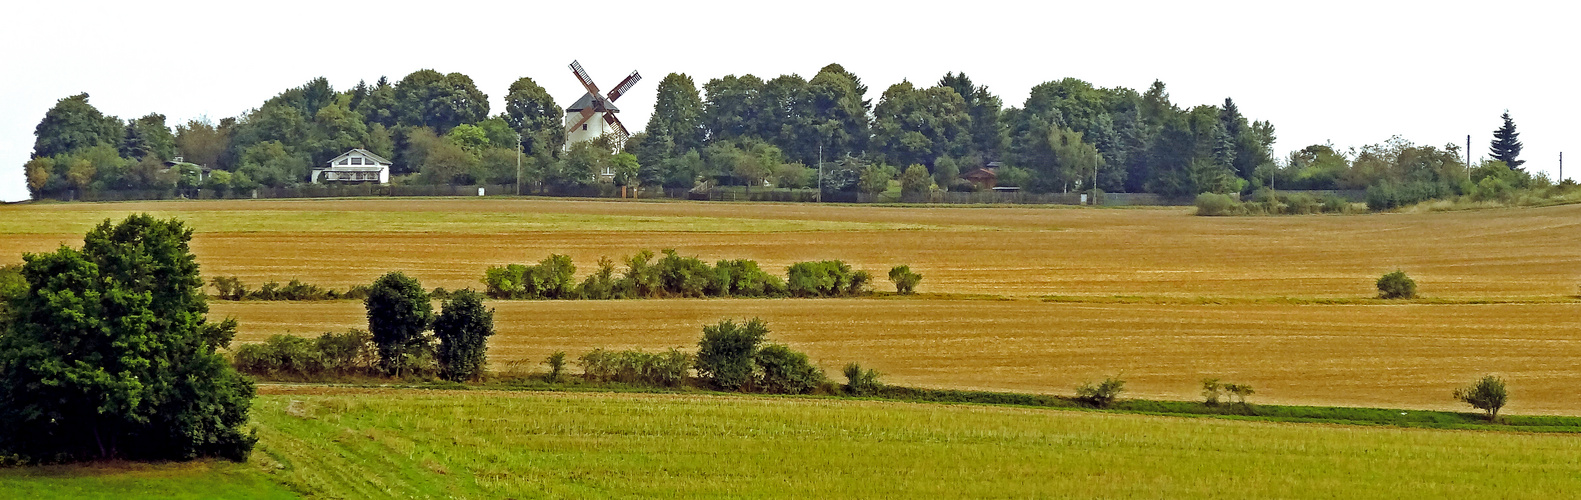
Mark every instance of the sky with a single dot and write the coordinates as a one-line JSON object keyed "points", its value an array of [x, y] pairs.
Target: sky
{"points": [[1342, 72]]}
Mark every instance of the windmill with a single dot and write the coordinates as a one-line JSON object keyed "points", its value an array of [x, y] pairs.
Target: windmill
{"points": [[580, 125]]}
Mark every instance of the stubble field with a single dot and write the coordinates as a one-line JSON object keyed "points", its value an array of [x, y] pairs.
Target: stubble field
{"points": [[1237, 298]]}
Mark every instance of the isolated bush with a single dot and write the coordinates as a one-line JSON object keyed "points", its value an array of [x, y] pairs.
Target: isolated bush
{"points": [[1212, 390], [726, 356], [905, 280], [399, 312], [1240, 391], [861, 382], [556, 364], [785, 371], [506, 282], [107, 354], [1488, 395], [1102, 394], [463, 329], [1396, 285], [1217, 204]]}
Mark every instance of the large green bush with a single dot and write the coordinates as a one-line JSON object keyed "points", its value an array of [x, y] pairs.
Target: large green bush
{"points": [[399, 312], [684, 276], [1396, 285], [727, 354], [1217, 204], [784, 371], [743, 278], [829, 278], [107, 354], [1102, 394], [463, 329], [905, 280]]}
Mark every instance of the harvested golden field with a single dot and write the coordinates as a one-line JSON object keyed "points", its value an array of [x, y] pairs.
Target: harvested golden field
{"points": [[1409, 356], [1019, 251]]}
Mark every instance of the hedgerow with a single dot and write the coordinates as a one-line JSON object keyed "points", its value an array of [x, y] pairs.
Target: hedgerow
{"points": [[673, 275]]}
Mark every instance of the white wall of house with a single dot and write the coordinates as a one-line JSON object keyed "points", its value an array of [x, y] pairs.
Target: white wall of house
{"points": [[353, 166], [594, 128]]}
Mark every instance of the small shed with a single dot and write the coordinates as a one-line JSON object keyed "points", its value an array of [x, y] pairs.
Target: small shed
{"points": [[355, 166], [983, 178]]}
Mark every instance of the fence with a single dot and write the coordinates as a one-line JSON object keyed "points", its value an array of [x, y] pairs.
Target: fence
{"points": [[727, 193]]}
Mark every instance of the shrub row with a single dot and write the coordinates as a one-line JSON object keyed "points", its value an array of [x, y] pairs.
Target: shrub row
{"points": [[1270, 202], [330, 355], [232, 288], [674, 275]]}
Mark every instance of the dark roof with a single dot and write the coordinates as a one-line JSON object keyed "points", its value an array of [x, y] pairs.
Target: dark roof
{"points": [[979, 174], [587, 101]]}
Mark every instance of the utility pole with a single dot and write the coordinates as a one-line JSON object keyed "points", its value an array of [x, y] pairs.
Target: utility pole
{"points": [[1468, 157], [1561, 166], [820, 171], [518, 164]]}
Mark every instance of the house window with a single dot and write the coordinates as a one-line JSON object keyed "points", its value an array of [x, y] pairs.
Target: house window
{"points": [[345, 162], [356, 161], [584, 126]]}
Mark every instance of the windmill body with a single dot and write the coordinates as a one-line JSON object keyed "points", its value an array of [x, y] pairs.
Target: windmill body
{"points": [[593, 116]]}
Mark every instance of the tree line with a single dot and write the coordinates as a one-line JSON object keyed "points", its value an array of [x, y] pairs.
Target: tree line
{"points": [[785, 132]]}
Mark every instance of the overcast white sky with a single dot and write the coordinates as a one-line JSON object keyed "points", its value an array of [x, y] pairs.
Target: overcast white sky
{"points": [[1349, 72]]}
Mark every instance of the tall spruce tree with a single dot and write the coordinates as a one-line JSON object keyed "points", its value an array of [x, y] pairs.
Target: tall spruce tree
{"points": [[1506, 144]]}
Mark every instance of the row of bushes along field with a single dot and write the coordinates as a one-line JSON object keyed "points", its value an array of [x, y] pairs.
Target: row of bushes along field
{"points": [[674, 275]]}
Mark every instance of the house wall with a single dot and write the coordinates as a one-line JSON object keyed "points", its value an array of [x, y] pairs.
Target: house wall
{"points": [[596, 127]]}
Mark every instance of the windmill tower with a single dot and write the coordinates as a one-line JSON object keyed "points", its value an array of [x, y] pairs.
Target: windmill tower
{"points": [[580, 121]]}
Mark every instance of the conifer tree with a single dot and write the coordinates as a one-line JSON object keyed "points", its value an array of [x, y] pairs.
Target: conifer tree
{"points": [[1506, 144]]}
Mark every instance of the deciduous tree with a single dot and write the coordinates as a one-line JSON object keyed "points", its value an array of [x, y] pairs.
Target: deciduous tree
{"points": [[109, 355]]}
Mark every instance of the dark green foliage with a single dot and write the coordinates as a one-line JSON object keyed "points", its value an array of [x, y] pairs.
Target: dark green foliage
{"points": [[556, 364], [683, 276], [73, 125], [398, 313], [438, 101], [296, 358], [1488, 395], [1506, 145], [726, 356], [642, 279], [861, 382], [108, 354], [463, 329], [829, 278], [1217, 204], [905, 280], [231, 288], [552, 278], [743, 278], [664, 369], [602, 284], [784, 371], [1102, 394], [1396, 285]]}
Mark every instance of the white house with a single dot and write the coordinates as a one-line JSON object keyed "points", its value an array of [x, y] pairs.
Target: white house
{"points": [[355, 166], [594, 127]]}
